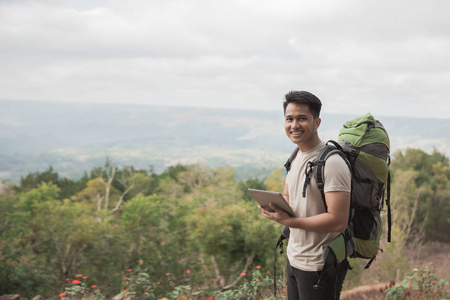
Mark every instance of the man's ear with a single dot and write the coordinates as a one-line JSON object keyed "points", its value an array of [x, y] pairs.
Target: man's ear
{"points": [[317, 122]]}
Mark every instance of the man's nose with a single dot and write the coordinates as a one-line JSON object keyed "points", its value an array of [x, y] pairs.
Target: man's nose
{"points": [[296, 124]]}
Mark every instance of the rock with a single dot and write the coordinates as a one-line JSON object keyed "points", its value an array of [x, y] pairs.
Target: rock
{"points": [[369, 292], [17, 297], [12, 297]]}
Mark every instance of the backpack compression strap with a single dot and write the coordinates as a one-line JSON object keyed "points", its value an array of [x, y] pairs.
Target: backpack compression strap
{"points": [[285, 233]]}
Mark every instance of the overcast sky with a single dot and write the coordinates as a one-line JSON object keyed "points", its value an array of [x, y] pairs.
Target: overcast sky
{"points": [[386, 57]]}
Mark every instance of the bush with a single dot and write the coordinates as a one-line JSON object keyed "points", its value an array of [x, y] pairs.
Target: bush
{"points": [[422, 284]]}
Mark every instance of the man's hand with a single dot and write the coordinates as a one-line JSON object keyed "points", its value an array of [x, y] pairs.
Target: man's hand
{"points": [[279, 215]]}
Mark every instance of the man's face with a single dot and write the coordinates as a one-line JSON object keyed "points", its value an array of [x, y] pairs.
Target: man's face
{"points": [[300, 126]]}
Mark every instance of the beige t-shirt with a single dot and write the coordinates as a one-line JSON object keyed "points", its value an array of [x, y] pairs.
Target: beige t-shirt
{"points": [[305, 248]]}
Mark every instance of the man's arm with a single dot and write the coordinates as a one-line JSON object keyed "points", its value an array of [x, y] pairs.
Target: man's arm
{"points": [[286, 193], [334, 220]]}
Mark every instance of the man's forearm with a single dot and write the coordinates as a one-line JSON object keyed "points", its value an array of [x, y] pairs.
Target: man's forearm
{"points": [[325, 222]]}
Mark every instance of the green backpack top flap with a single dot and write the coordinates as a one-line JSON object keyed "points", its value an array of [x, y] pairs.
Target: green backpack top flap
{"points": [[363, 131], [369, 139]]}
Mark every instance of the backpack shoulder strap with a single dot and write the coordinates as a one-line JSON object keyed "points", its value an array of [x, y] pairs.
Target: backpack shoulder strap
{"points": [[288, 163], [317, 167]]}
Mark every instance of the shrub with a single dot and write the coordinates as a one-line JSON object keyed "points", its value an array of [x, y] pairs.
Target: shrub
{"points": [[422, 284]]}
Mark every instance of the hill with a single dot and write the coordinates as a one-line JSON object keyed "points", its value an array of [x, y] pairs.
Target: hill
{"points": [[75, 137]]}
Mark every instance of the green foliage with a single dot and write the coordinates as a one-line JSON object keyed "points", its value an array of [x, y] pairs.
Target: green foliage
{"points": [[253, 183], [95, 188], [189, 218], [145, 184], [231, 234], [258, 287], [43, 193], [392, 259], [32, 180], [276, 181], [78, 290], [389, 263], [18, 272], [67, 187], [354, 277], [421, 194], [422, 284], [140, 285]]}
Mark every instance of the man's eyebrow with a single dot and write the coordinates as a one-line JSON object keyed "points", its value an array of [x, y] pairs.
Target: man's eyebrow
{"points": [[300, 115]]}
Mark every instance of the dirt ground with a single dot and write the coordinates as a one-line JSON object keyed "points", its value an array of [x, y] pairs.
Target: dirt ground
{"points": [[434, 255]]}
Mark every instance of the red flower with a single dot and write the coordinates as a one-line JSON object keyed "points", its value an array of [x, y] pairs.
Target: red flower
{"points": [[167, 274], [258, 267], [126, 291], [62, 294], [75, 281], [79, 275], [85, 277], [205, 266], [242, 274], [203, 298], [129, 270], [126, 278], [212, 298], [188, 271], [94, 286]]}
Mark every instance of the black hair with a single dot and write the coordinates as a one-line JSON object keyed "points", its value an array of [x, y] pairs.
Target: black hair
{"points": [[304, 97]]}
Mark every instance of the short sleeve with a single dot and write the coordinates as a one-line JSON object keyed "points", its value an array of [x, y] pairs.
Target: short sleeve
{"points": [[337, 175]]}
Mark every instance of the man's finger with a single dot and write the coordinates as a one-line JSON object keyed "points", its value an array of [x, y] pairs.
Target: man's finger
{"points": [[274, 207]]}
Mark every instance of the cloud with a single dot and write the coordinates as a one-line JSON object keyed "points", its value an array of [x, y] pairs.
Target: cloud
{"points": [[386, 57]]}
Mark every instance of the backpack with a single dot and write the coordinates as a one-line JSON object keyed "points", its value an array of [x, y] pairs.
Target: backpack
{"points": [[364, 145]]}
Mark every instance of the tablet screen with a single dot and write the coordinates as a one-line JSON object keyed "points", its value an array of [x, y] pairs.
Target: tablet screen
{"points": [[266, 197]]}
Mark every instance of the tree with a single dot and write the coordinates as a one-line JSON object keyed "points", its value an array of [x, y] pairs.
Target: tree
{"points": [[252, 183], [65, 230], [50, 234], [276, 181], [94, 192], [233, 237], [145, 184], [421, 184], [406, 202], [33, 180], [106, 176], [221, 189], [141, 219], [67, 186]]}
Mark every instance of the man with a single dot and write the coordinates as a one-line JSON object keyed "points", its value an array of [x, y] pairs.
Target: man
{"points": [[315, 226]]}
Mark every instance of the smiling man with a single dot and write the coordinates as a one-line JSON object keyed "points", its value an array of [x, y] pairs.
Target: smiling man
{"points": [[315, 226]]}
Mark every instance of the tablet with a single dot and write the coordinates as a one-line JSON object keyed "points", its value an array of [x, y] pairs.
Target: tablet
{"points": [[266, 197]]}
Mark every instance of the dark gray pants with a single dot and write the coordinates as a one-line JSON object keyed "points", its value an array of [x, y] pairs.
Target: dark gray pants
{"points": [[302, 285]]}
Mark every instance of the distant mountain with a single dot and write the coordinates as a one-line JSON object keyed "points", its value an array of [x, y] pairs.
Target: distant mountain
{"points": [[75, 137]]}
